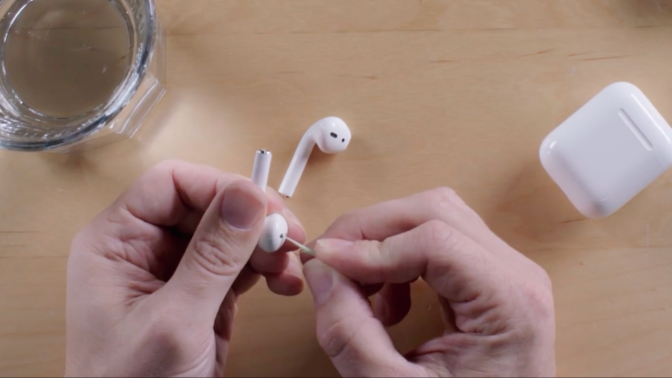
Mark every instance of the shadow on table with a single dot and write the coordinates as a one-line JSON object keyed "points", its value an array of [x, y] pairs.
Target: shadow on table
{"points": [[640, 13], [532, 214]]}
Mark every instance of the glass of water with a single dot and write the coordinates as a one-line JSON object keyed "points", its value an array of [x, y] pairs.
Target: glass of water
{"points": [[76, 74]]}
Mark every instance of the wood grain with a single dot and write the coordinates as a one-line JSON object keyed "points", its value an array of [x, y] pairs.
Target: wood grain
{"points": [[438, 93]]}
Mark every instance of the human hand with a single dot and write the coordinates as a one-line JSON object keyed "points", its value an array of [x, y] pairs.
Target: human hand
{"points": [[497, 304], [153, 280]]}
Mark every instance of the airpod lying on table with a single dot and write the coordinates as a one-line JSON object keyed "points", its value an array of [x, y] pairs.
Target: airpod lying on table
{"points": [[331, 135]]}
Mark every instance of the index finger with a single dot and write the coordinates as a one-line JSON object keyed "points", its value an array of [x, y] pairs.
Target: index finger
{"points": [[390, 218], [451, 263], [171, 190]]}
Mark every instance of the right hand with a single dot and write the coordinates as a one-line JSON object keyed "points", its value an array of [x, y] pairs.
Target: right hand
{"points": [[497, 304]]}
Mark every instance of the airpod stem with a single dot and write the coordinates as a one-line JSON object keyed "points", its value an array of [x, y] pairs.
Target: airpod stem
{"points": [[298, 165], [262, 168], [275, 229], [331, 134]]}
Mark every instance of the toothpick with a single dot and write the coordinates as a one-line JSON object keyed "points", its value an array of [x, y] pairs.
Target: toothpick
{"points": [[302, 247]]}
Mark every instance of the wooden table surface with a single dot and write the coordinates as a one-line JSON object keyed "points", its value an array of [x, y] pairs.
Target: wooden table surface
{"points": [[437, 93]]}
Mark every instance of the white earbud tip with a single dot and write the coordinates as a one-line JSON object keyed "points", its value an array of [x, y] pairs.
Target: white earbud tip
{"points": [[275, 233], [334, 135]]}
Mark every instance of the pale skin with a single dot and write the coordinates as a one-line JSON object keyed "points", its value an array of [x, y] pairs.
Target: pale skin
{"points": [[153, 282]]}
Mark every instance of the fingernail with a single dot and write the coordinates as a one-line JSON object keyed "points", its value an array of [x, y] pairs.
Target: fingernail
{"points": [[241, 208], [320, 279], [332, 245]]}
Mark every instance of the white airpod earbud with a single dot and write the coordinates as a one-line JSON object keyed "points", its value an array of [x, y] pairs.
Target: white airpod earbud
{"points": [[275, 230], [275, 233], [331, 135]]}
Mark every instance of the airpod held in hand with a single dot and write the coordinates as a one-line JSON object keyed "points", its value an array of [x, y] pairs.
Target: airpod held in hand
{"points": [[275, 233], [275, 230], [331, 135]]}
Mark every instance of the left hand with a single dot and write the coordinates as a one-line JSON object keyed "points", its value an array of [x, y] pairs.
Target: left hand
{"points": [[153, 280]]}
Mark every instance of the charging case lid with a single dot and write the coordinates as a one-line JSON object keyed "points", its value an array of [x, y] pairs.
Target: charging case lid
{"points": [[609, 150]]}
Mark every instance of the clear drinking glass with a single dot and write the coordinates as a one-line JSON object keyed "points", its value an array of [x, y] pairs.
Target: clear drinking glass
{"points": [[77, 73]]}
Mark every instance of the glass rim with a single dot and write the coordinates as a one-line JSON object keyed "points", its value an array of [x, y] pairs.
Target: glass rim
{"points": [[125, 91]]}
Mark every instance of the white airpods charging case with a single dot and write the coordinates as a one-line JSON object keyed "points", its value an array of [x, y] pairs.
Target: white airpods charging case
{"points": [[609, 150]]}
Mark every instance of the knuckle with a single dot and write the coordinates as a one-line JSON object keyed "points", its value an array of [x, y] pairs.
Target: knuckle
{"points": [[538, 301], [342, 222], [351, 356], [79, 247], [444, 196], [544, 277], [444, 200], [376, 258], [88, 241], [438, 234], [167, 165], [80, 240], [103, 242], [212, 256], [532, 315], [336, 338], [348, 216], [164, 328]]}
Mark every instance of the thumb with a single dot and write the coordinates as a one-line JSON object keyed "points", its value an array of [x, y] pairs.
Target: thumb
{"points": [[347, 330], [219, 250]]}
